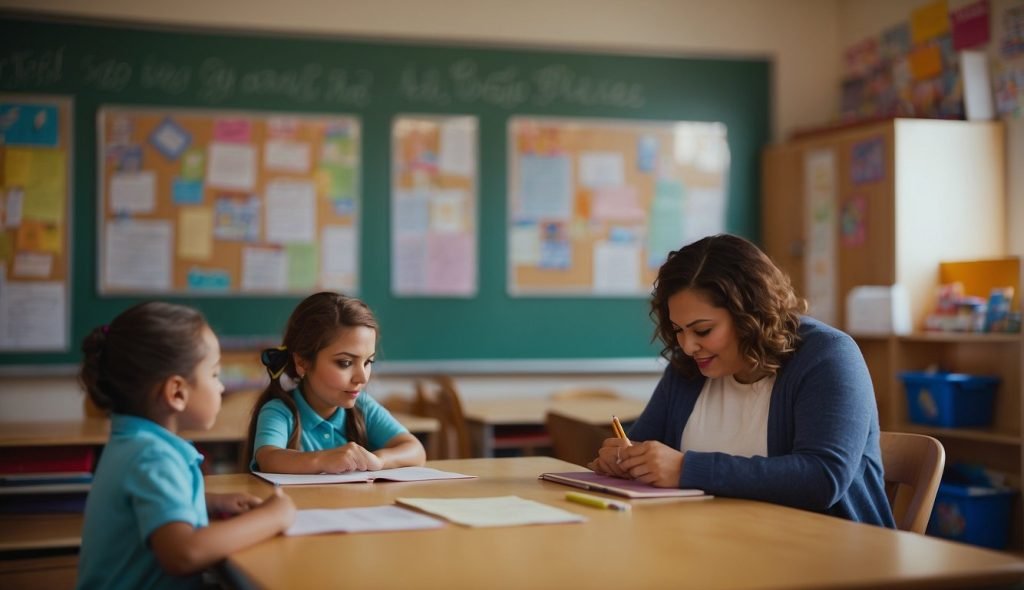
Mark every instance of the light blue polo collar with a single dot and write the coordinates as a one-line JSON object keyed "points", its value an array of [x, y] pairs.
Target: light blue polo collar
{"points": [[309, 416], [128, 426]]}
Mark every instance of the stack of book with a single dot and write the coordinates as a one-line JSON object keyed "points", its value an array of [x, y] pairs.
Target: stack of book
{"points": [[45, 479]]}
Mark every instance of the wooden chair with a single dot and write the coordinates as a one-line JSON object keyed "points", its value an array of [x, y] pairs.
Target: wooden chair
{"points": [[575, 441], [585, 393], [438, 399], [913, 466]]}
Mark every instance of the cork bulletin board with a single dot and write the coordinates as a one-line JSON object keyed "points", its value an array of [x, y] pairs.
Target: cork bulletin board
{"points": [[227, 202]]}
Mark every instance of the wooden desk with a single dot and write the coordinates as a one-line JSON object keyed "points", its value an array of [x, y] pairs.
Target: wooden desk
{"points": [[483, 417], [721, 543]]}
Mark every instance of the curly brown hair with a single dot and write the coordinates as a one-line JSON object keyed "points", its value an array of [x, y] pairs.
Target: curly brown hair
{"points": [[737, 276]]}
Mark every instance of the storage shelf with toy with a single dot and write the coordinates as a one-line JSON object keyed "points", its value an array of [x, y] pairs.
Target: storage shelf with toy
{"points": [[960, 377]]}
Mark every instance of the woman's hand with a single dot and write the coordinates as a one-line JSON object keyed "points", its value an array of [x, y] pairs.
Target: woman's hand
{"points": [[607, 461], [231, 504], [653, 463], [350, 457]]}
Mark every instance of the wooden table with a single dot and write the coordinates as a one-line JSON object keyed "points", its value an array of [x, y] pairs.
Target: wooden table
{"points": [[671, 543], [485, 417]]}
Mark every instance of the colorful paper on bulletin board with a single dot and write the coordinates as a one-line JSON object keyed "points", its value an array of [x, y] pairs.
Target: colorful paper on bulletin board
{"points": [[970, 25], [665, 221], [895, 42], [237, 219], [28, 125], [303, 266], [861, 57], [853, 221], [214, 280], [46, 188], [929, 21], [170, 139], [232, 130], [1012, 42], [868, 161], [926, 62], [1009, 88], [38, 237]]}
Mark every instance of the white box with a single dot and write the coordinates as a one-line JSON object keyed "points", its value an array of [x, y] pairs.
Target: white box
{"points": [[877, 311]]}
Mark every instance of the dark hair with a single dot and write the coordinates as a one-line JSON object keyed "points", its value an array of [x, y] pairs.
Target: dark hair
{"points": [[737, 276], [313, 325], [124, 363]]}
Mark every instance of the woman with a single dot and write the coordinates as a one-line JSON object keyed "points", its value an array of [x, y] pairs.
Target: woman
{"points": [[757, 402]]}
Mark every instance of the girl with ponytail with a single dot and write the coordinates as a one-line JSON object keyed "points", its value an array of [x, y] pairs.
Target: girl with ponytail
{"points": [[314, 416]]}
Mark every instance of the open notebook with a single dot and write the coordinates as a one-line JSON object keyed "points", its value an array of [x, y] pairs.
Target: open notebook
{"points": [[589, 480], [397, 474]]}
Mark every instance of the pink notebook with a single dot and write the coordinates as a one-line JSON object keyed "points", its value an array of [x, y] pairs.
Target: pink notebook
{"points": [[588, 480]]}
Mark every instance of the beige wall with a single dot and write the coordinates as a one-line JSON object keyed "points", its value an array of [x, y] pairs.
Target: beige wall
{"points": [[799, 35]]}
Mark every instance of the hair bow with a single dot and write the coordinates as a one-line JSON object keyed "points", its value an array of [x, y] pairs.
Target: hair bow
{"points": [[275, 360]]}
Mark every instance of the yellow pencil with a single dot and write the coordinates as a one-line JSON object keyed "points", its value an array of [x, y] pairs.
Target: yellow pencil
{"points": [[619, 432]]}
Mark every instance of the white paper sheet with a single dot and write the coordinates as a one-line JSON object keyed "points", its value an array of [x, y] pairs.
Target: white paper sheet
{"points": [[395, 474], [264, 270], [448, 211], [703, 213], [33, 265], [133, 192], [339, 254], [408, 264], [458, 147], [525, 244], [359, 520], [137, 255], [601, 169], [410, 212], [287, 156], [491, 512], [617, 268], [231, 166], [12, 211], [291, 211], [545, 188], [33, 315]]}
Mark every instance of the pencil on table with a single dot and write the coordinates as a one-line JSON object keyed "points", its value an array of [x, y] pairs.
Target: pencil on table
{"points": [[619, 431]]}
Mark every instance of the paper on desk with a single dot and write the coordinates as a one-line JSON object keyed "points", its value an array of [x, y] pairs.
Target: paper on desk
{"points": [[487, 512], [397, 474], [359, 520]]}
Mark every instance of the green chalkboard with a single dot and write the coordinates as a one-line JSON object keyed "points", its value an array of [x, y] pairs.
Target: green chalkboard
{"points": [[99, 65]]}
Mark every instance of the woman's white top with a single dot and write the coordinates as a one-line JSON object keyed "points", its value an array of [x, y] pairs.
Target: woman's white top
{"points": [[730, 417]]}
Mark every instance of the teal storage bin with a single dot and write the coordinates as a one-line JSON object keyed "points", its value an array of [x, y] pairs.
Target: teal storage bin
{"points": [[949, 400], [972, 514]]}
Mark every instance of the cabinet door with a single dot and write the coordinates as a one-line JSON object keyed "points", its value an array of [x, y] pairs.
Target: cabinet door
{"points": [[782, 210]]}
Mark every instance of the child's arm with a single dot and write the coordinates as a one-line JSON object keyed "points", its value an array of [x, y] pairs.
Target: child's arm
{"points": [[181, 549], [348, 457], [402, 450], [230, 504]]}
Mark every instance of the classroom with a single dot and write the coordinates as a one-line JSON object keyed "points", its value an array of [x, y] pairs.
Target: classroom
{"points": [[500, 182]]}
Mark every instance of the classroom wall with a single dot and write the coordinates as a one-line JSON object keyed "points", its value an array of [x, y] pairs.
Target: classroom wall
{"points": [[799, 35], [863, 18]]}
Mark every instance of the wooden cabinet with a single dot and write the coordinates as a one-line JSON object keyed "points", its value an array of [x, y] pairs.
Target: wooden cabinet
{"points": [[910, 199]]}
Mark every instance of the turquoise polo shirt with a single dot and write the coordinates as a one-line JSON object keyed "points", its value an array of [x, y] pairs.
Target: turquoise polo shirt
{"points": [[275, 424], [147, 477]]}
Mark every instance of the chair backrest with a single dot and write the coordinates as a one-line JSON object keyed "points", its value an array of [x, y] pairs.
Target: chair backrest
{"points": [[575, 441], [439, 399], [585, 393], [913, 467]]}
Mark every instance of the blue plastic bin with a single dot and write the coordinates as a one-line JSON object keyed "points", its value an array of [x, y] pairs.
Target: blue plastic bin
{"points": [[972, 514], [949, 399]]}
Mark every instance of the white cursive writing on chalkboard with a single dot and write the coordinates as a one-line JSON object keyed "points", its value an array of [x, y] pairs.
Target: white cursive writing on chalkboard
{"points": [[32, 68], [108, 75], [560, 83], [165, 77], [216, 80], [464, 81]]}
